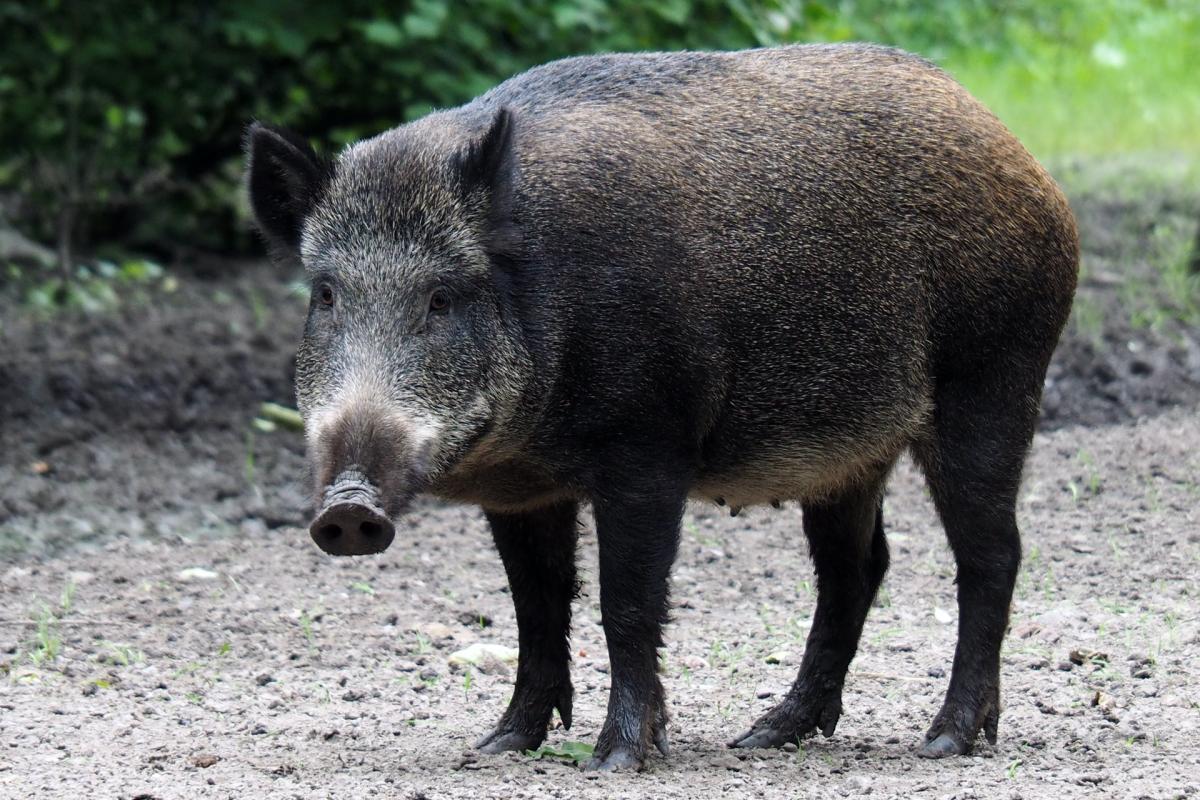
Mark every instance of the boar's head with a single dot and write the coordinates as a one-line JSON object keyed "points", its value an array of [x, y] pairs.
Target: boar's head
{"points": [[410, 352]]}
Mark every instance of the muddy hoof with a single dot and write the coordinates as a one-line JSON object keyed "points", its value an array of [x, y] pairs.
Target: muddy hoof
{"points": [[763, 738], [660, 740], [943, 746], [620, 759], [501, 741], [792, 721]]}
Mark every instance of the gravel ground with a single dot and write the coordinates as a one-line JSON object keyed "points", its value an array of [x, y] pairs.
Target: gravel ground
{"points": [[277, 671]]}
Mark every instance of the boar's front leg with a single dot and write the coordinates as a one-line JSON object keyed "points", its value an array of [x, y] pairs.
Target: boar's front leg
{"points": [[638, 532], [538, 550]]}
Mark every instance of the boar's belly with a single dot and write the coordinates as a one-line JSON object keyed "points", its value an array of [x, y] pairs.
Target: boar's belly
{"points": [[744, 471]]}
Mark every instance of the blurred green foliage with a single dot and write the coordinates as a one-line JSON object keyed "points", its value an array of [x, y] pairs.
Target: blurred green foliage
{"points": [[121, 121]]}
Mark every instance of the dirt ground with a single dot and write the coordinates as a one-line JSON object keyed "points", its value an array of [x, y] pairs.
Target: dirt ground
{"points": [[168, 631]]}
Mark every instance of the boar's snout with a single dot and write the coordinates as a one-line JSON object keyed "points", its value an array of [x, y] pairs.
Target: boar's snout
{"points": [[351, 523]]}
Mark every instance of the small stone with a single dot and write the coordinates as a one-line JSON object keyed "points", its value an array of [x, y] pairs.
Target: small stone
{"points": [[475, 620], [789, 747], [479, 652], [1080, 657], [936, 672], [727, 761], [778, 657], [264, 679], [436, 630], [1027, 629], [1106, 703], [205, 760], [762, 693], [1045, 708], [197, 574], [857, 785]]}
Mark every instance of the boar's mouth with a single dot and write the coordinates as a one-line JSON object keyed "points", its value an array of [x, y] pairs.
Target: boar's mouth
{"points": [[351, 521]]}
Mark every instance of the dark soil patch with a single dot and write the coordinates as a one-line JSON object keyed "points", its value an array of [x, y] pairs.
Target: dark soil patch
{"points": [[138, 423], [1132, 347]]}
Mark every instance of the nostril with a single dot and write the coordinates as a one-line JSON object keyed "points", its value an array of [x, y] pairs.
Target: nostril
{"points": [[370, 528], [331, 531]]}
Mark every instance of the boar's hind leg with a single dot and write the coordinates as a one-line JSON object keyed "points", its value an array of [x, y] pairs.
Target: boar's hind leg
{"points": [[982, 428], [849, 551], [538, 550], [638, 533]]}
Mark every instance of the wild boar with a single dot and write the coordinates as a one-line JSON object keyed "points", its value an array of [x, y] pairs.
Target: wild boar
{"points": [[630, 280]]}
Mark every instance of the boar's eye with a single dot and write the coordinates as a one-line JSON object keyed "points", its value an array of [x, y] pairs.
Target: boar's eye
{"points": [[325, 294], [439, 301]]}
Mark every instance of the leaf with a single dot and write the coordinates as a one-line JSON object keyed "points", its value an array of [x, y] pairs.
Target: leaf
{"points": [[676, 11], [282, 416], [576, 752], [426, 22], [383, 32]]}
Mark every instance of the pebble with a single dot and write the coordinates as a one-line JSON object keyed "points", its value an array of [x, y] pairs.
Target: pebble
{"points": [[436, 630], [197, 574], [474, 619], [856, 786], [763, 693], [479, 653], [727, 761]]}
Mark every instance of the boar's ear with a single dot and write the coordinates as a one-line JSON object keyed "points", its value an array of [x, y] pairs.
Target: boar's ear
{"points": [[286, 179], [485, 166], [483, 163]]}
